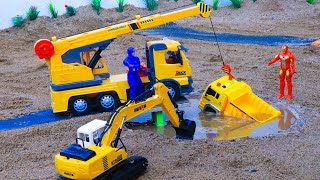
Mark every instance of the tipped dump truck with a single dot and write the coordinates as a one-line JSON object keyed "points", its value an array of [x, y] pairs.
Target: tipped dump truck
{"points": [[231, 97]]}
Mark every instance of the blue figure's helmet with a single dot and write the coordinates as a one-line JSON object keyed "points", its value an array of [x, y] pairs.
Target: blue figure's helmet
{"points": [[130, 50]]}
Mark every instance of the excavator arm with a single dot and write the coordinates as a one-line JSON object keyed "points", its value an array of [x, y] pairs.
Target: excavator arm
{"points": [[184, 128]]}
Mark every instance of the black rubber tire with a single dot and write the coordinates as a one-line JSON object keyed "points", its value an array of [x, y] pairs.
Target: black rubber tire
{"points": [[111, 101], [82, 109], [173, 89], [62, 178], [209, 109]]}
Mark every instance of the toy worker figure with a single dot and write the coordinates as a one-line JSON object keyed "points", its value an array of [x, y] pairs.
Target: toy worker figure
{"points": [[172, 57], [133, 64], [287, 69]]}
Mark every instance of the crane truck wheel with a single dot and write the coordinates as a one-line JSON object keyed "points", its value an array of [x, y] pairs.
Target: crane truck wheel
{"points": [[79, 105], [173, 90], [107, 101]]}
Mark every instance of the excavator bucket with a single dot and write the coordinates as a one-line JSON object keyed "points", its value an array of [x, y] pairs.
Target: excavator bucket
{"points": [[186, 129]]}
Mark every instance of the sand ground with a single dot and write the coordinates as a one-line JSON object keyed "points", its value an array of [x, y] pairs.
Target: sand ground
{"points": [[28, 153]]}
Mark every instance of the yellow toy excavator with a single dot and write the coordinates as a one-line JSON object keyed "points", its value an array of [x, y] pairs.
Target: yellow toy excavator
{"points": [[96, 154]]}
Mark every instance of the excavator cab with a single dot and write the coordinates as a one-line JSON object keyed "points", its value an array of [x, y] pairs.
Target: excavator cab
{"points": [[89, 133]]}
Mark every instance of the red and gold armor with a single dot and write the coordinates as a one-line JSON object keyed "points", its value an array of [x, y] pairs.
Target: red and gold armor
{"points": [[286, 71]]}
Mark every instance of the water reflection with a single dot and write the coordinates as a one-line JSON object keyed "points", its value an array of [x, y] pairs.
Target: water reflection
{"points": [[221, 127]]}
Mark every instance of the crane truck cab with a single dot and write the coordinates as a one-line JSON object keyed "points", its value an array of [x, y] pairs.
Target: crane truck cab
{"points": [[176, 74], [79, 77]]}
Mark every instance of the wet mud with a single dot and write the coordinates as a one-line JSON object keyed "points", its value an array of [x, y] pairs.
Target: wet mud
{"points": [[222, 127]]}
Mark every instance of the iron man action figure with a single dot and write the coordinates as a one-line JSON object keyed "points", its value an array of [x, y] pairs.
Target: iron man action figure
{"points": [[287, 69]]}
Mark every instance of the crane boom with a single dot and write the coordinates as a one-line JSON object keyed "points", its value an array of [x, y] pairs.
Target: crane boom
{"points": [[140, 23]]}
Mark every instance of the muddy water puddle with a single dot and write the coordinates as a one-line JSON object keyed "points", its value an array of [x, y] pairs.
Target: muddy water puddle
{"points": [[222, 127]]}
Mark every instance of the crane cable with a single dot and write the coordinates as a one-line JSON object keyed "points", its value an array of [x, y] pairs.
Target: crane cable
{"points": [[215, 35]]}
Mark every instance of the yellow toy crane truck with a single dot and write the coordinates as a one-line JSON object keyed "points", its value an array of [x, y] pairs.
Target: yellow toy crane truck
{"points": [[97, 155], [79, 77]]}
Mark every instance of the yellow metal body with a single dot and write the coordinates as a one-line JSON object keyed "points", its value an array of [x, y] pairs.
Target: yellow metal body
{"points": [[106, 155], [235, 98], [69, 64]]}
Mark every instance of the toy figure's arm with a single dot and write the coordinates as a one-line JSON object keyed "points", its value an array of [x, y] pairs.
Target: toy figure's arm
{"points": [[274, 60], [143, 67], [292, 64], [137, 64], [127, 63]]}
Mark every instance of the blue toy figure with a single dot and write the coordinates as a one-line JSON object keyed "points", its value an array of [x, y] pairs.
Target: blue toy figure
{"points": [[133, 64]]}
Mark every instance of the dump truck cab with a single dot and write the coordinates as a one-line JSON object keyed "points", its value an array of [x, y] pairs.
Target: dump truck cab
{"points": [[213, 99]]}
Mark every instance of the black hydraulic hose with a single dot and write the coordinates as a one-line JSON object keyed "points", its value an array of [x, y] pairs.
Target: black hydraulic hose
{"points": [[109, 123], [173, 101], [117, 138], [142, 94]]}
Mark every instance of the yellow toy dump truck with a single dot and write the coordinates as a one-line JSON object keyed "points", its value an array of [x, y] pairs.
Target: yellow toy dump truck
{"points": [[230, 97], [79, 77]]}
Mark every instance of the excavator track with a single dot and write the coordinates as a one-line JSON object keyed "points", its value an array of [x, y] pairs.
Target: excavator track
{"points": [[129, 168]]}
